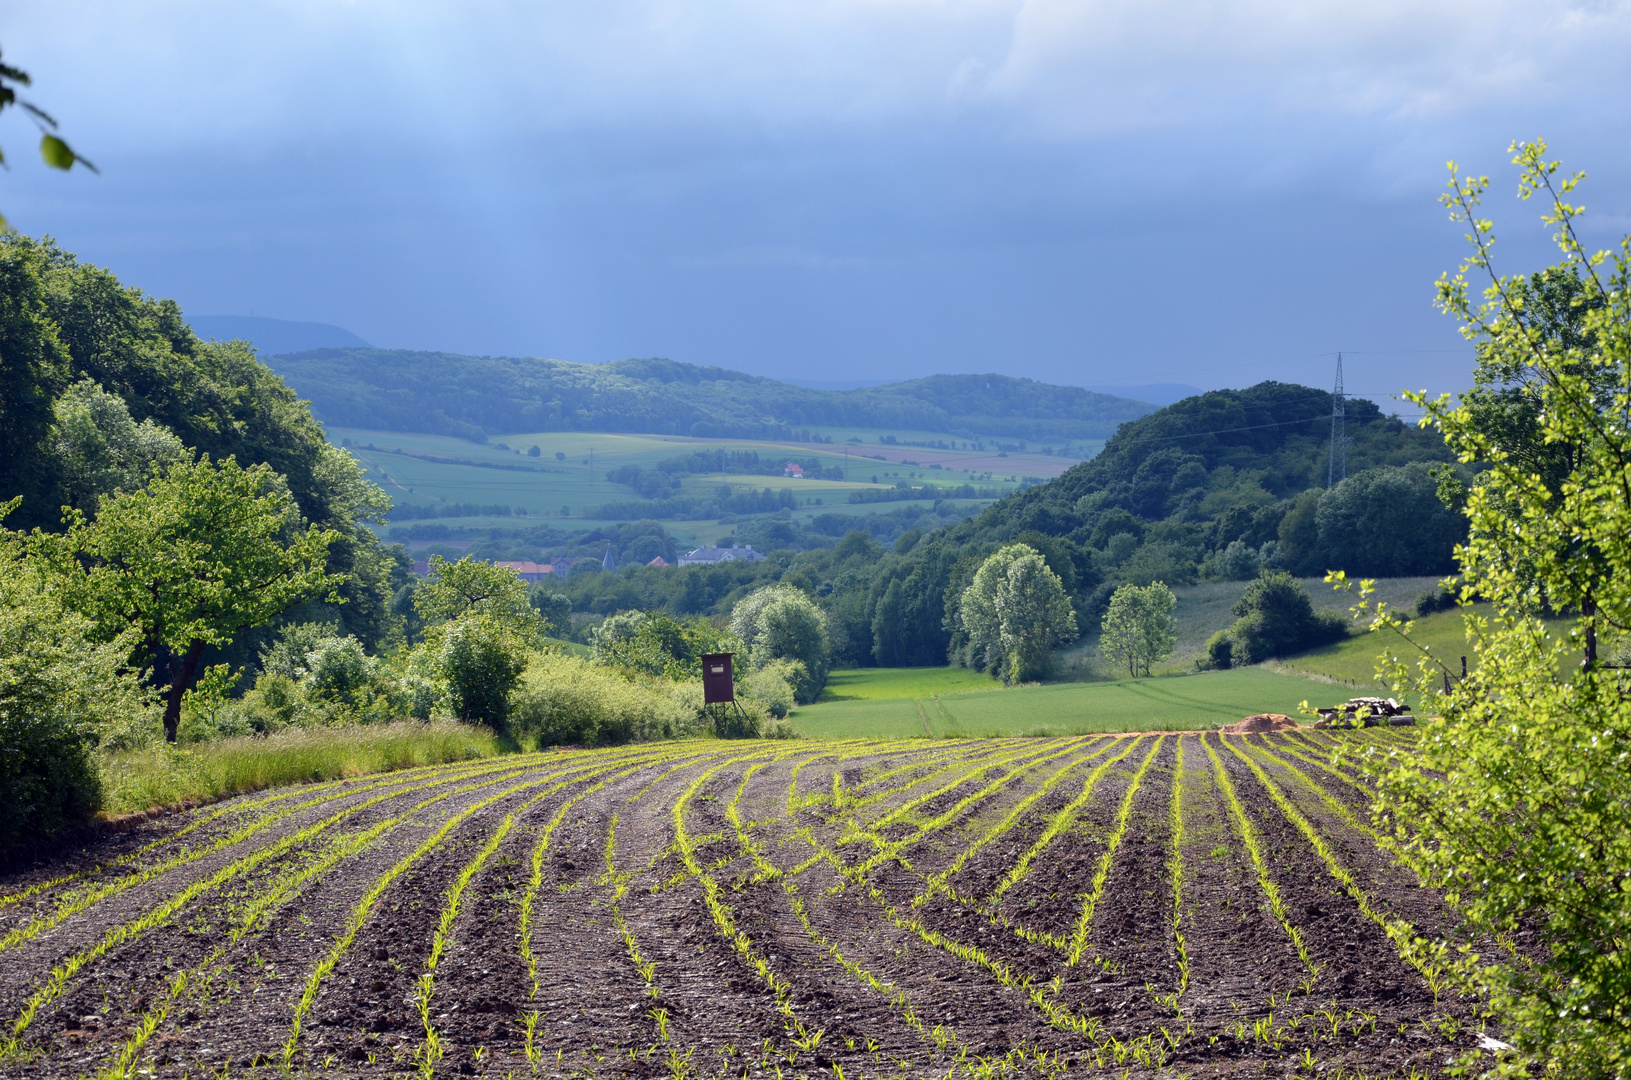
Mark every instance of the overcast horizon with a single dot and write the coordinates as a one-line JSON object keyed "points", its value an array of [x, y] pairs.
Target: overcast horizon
{"points": [[1095, 194]]}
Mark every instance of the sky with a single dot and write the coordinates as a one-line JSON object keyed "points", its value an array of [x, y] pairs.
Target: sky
{"points": [[1092, 192]]}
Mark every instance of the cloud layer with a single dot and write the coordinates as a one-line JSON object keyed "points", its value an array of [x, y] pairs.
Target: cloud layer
{"points": [[1078, 191]]}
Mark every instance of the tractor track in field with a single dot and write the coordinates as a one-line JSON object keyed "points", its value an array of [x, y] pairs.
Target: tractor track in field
{"points": [[1154, 905]]}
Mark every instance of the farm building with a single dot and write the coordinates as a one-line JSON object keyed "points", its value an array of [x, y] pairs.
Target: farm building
{"points": [[708, 556]]}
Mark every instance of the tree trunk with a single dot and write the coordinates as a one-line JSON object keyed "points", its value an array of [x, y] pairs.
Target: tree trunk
{"points": [[185, 669]]}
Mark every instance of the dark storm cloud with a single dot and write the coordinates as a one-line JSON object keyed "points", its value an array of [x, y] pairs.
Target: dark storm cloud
{"points": [[1092, 193]]}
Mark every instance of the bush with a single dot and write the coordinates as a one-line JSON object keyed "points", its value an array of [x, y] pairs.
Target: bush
{"points": [[59, 694], [773, 684], [481, 664], [1434, 600], [564, 699], [1220, 651], [1276, 618]]}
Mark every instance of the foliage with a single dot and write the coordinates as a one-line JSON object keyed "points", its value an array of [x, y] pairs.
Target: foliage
{"points": [[774, 685], [474, 587], [1519, 801], [656, 644], [1388, 522], [60, 694], [1139, 628], [1274, 617], [402, 390], [781, 622], [481, 657], [205, 551], [64, 323], [53, 150], [569, 700], [1014, 612], [101, 450]]}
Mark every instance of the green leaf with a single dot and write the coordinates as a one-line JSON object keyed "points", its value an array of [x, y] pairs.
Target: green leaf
{"points": [[56, 152]]}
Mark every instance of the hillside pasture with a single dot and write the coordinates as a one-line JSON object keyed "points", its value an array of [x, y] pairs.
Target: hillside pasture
{"points": [[1027, 908]]}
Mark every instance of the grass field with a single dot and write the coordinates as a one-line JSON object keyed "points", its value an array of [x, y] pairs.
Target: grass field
{"points": [[1033, 909], [904, 703], [432, 470]]}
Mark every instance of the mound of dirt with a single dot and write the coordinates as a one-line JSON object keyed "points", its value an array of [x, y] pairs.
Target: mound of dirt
{"points": [[1266, 721]]}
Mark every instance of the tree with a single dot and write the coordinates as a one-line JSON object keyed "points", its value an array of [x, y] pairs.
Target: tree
{"points": [[1389, 522], [205, 551], [33, 370], [101, 450], [480, 628], [474, 587], [1517, 798], [780, 622], [1139, 628], [1014, 613]]}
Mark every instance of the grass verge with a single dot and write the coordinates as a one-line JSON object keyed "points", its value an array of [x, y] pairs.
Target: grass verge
{"points": [[166, 775]]}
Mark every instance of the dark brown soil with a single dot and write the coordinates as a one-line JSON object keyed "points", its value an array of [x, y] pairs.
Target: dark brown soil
{"points": [[858, 967]]}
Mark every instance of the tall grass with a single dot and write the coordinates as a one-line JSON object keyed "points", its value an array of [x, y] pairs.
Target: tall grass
{"points": [[166, 775]]}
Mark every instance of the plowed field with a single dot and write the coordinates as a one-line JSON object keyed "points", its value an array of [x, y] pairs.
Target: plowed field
{"points": [[1169, 905]]}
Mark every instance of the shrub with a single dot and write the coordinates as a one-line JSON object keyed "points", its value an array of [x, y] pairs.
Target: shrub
{"points": [[773, 686], [59, 693], [564, 699], [481, 663], [1220, 651], [1276, 618]]}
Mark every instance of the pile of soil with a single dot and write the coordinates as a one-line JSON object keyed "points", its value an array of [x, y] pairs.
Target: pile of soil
{"points": [[1266, 721]]}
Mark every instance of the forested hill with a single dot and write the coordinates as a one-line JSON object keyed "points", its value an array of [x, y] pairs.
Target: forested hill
{"points": [[1215, 487], [470, 396]]}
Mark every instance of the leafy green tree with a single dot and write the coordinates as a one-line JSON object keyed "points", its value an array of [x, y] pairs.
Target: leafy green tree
{"points": [[780, 622], [482, 660], [473, 587], [887, 618], [1015, 612], [480, 628], [205, 551], [1139, 628], [1389, 522], [33, 370], [1517, 799], [101, 450]]}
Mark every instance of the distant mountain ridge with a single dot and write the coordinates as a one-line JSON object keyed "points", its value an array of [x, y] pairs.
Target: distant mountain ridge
{"points": [[272, 336], [476, 396]]}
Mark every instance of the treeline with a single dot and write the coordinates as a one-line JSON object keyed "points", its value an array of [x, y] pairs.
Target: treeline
{"points": [[473, 397], [662, 481], [423, 511]]}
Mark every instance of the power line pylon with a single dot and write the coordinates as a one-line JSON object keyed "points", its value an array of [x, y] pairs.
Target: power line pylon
{"points": [[1337, 471]]}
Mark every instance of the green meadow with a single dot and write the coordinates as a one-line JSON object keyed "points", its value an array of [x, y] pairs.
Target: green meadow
{"points": [[431, 470], [904, 703]]}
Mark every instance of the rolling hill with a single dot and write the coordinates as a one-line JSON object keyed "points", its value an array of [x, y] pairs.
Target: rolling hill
{"points": [[474, 397]]}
